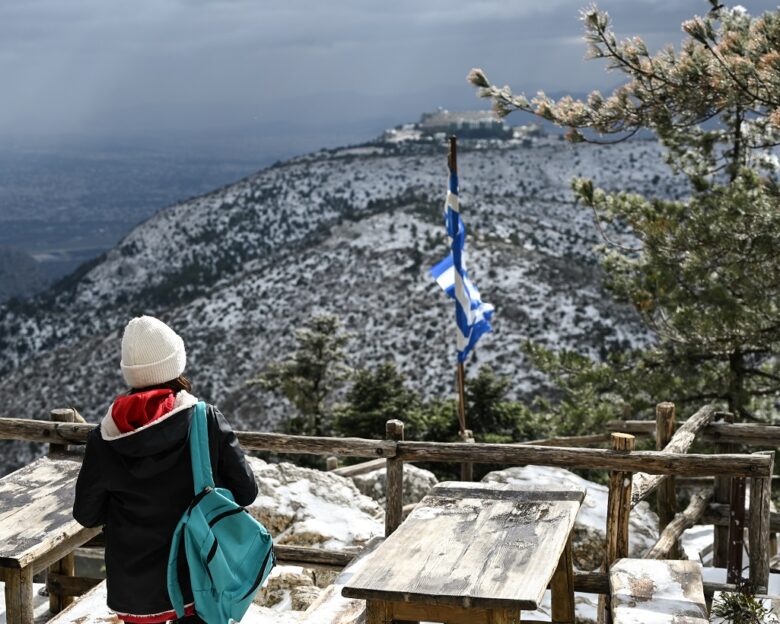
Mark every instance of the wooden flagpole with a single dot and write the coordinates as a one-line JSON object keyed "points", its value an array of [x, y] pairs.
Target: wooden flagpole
{"points": [[452, 162], [466, 469]]}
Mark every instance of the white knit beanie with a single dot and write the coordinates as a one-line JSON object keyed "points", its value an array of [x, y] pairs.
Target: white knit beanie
{"points": [[152, 353]]}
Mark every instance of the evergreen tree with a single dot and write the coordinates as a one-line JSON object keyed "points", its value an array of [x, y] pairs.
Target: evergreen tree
{"points": [[376, 396], [492, 417], [704, 272], [311, 374]]}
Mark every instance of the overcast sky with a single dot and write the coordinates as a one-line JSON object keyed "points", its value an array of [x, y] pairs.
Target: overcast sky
{"points": [[155, 69]]}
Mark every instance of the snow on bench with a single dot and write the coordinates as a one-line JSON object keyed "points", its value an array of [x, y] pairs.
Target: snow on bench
{"points": [[646, 591], [333, 608], [91, 609]]}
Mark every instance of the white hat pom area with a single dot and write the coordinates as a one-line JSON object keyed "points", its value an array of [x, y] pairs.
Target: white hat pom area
{"points": [[152, 353]]}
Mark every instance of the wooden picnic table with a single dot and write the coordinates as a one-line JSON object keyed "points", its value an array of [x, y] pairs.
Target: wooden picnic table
{"points": [[37, 528], [474, 553]]}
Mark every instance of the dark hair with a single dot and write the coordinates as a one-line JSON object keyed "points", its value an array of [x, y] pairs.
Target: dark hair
{"points": [[180, 383]]}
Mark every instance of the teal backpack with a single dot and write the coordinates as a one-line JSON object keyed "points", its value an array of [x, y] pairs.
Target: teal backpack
{"points": [[229, 553]]}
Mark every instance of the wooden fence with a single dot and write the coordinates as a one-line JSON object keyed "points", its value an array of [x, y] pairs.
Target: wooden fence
{"points": [[634, 475]]}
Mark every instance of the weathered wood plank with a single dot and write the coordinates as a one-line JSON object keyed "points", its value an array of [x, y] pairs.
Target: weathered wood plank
{"points": [[598, 583], [472, 544], [758, 531], [43, 431], [618, 512], [467, 468], [570, 441], [562, 588], [665, 423], [685, 435], [35, 513], [699, 482], [619, 501], [722, 494], [61, 416], [313, 445], [668, 541], [76, 433], [67, 585], [519, 454], [736, 530], [376, 612], [416, 612], [18, 595], [718, 514], [62, 548], [671, 590], [317, 556], [645, 484], [394, 502], [748, 434], [64, 568], [651, 462], [361, 468]]}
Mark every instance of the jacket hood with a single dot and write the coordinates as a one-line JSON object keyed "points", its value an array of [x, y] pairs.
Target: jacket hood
{"points": [[161, 434]]}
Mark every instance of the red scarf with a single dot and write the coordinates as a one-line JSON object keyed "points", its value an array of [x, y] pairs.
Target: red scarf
{"points": [[133, 411]]}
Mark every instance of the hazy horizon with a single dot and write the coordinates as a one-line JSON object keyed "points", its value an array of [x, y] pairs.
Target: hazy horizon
{"points": [[112, 111], [290, 76]]}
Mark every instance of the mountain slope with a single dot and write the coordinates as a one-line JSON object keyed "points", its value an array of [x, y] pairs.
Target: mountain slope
{"points": [[351, 231]]}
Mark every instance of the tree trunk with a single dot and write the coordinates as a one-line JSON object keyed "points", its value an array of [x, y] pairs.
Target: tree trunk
{"points": [[737, 395]]}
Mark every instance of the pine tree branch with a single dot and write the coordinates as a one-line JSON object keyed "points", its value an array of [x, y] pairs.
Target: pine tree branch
{"points": [[759, 373], [613, 53], [630, 134], [604, 236], [740, 84]]}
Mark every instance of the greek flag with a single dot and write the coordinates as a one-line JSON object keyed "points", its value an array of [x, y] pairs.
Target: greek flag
{"points": [[471, 313]]}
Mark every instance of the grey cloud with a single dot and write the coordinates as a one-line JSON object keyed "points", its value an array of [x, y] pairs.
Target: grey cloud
{"points": [[186, 65]]}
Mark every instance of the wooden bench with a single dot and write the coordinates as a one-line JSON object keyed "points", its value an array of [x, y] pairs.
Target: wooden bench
{"points": [[473, 553], [662, 592], [37, 529]]}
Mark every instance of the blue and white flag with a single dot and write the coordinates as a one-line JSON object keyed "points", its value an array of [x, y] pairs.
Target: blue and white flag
{"points": [[471, 313]]}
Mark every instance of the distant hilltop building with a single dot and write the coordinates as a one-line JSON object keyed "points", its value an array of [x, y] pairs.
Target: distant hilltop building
{"points": [[465, 124]]}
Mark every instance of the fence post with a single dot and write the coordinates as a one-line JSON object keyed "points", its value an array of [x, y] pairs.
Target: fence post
{"points": [[67, 565], [394, 488], [722, 551], [666, 498], [618, 511], [758, 531], [67, 415], [331, 463], [467, 468], [736, 531]]}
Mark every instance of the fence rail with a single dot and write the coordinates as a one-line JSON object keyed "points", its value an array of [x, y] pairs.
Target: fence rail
{"points": [[647, 469], [650, 462], [748, 434]]}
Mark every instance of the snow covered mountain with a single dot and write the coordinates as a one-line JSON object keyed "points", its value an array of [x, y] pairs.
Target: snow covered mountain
{"points": [[351, 231]]}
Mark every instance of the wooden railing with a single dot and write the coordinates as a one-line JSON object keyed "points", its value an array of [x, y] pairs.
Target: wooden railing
{"points": [[632, 472]]}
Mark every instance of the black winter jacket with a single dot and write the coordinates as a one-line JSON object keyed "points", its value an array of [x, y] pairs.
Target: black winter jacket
{"points": [[138, 485]]}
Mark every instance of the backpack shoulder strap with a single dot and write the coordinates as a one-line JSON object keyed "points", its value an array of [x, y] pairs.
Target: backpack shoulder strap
{"points": [[199, 449]]}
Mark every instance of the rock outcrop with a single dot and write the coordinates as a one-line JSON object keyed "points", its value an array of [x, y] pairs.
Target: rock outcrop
{"points": [[417, 483], [306, 507]]}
